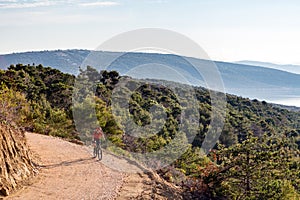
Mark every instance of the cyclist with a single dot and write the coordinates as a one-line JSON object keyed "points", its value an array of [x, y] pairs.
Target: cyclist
{"points": [[98, 134]]}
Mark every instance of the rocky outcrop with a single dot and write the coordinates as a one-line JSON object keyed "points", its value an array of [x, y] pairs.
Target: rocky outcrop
{"points": [[16, 166]]}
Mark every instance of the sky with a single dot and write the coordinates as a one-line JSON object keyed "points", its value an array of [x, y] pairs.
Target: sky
{"points": [[227, 30]]}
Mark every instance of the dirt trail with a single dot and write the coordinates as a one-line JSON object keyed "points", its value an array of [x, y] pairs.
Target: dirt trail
{"points": [[68, 171]]}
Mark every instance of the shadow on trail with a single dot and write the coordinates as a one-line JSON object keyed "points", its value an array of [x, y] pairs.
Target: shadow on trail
{"points": [[66, 163]]}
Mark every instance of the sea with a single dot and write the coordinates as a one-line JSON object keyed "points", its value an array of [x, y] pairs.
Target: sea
{"points": [[288, 101]]}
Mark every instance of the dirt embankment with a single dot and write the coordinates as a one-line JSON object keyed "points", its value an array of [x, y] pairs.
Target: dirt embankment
{"points": [[16, 167]]}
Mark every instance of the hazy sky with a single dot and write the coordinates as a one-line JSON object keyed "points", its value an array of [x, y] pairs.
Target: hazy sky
{"points": [[229, 30]]}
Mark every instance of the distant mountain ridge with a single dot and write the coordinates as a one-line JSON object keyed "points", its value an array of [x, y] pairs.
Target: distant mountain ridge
{"points": [[289, 68], [66, 61], [239, 79]]}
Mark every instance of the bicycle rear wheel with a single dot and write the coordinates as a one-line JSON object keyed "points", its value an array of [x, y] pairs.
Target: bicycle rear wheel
{"points": [[95, 152]]}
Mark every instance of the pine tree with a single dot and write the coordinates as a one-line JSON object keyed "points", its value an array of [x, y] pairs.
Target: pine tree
{"points": [[257, 168]]}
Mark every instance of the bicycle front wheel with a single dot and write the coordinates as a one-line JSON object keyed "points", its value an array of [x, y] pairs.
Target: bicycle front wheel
{"points": [[100, 154]]}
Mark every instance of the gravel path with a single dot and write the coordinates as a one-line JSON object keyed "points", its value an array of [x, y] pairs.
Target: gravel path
{"points": [[68, 171]]}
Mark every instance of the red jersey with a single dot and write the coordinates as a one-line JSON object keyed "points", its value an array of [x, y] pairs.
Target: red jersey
{"points": [[98, 134]]}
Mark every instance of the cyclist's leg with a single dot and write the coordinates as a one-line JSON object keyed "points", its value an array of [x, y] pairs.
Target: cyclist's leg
{"points": [[95, 148]]}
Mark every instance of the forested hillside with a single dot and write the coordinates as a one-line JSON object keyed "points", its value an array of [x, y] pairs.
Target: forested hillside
{"points": [[256, 156], [38, 99]]}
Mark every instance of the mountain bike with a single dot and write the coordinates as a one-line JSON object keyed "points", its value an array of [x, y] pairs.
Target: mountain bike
{"points": [[97, 152]]}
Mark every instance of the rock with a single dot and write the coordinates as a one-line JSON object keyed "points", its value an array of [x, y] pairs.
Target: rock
{"points": [[16, 167]]}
